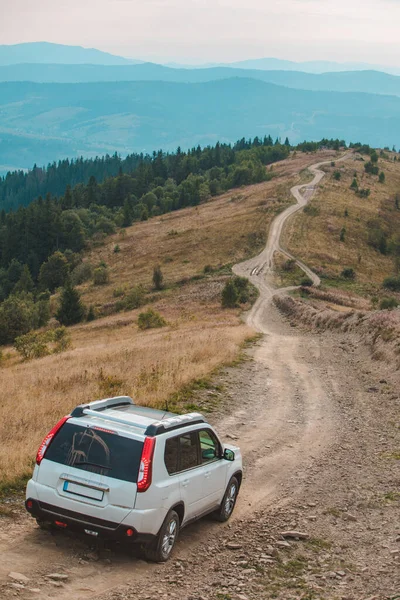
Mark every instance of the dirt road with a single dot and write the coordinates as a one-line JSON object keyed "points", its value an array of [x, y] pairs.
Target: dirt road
{"points": [[311, 443]]}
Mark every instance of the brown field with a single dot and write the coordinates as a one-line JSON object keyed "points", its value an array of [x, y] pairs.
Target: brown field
{"points": [[111, 356], [315, 239]]}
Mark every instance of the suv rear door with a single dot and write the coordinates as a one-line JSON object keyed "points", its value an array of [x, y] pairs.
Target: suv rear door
{"points": [[91, 470]]}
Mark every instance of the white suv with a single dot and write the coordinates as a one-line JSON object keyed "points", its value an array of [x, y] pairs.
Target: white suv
{"points": [[115, 470]]}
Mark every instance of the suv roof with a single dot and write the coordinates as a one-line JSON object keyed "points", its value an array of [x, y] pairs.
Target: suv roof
{"points": [[123, 410]]}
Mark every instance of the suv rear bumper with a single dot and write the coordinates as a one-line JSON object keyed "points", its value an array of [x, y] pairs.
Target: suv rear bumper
{"points": [[74, 521]]}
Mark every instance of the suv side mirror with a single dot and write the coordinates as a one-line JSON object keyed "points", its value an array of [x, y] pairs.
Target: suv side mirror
{"points": [[229, 454]]}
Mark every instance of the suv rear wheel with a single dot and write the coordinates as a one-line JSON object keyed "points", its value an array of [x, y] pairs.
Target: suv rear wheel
{"points": [[161, 548], [228, 501]]}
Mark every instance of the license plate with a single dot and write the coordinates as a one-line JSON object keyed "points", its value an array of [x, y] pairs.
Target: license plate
{"points": [[91, 532], [83, 491]]}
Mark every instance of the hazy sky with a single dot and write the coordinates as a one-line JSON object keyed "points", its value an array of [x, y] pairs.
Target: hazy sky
{"points": [[213, 30]]}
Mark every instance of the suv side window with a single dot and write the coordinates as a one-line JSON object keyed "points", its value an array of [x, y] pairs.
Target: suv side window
{"points": [[188, 451], [181, 453], [210, 448], [171, 455]]}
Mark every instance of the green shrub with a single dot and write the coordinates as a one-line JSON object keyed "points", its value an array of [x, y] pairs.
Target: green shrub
{"points": [[134, 298], [388, 303], [230, 295], [306, 282], [150, 319], [101, 276], [348, 273], [118, 292], [337, 175], [237, 290], [289, 265], [392, 283], [311, 210], [39, 344], [83, 272], [117, 249], [91, 314]]}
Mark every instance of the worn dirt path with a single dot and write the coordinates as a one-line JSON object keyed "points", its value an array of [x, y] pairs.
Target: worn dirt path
{"points": [[284, 408]]}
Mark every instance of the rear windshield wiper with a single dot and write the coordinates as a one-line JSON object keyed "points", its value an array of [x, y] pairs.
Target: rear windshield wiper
{"points": [[85, 462]]}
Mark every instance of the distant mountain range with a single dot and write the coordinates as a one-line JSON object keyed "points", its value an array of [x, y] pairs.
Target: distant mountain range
{"points": [[312, 66], [88, 102], [44, 122], [44, 52], [347, 81]]}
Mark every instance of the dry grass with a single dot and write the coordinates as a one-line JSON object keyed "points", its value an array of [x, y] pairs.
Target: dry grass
{"points": [[315, 238], [111, 357]]}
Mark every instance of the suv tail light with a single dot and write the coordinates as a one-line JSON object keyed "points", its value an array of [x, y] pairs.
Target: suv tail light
{"points": [[146, 464], [48, 439]]}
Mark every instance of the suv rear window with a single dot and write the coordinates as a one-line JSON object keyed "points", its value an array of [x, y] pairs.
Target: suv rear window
{"points": [[97, 451]]}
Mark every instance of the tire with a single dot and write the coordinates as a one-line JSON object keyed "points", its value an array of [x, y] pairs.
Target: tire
{"points": [[228, 501], [161, 549]]}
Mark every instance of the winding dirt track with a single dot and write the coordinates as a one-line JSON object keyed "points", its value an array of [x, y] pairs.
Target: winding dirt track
{"points": [[282, 419]]}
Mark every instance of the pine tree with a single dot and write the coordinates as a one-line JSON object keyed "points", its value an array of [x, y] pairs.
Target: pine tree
{"points": [[230, 295], [25, 282], [71, 309], [158, 278]]}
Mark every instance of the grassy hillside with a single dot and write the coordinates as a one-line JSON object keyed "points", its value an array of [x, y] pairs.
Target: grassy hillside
{"points": [[111, 355], [315, 234], [139, 116]]}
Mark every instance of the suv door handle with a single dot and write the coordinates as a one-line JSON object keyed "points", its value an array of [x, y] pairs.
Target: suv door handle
{"points": [[185, 482], [207, 475]]}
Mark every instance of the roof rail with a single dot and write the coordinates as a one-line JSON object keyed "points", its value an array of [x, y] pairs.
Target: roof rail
{"points": [[99, 405], [175, 422]]}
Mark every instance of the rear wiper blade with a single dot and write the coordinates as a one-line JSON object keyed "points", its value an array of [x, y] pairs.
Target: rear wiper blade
{"points": [[85, 462]]}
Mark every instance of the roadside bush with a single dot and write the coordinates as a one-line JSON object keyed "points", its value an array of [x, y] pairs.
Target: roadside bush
{"points": [[237, 290], [392, 283], [388, 303], [150, 319], [306, 282], [337, 175], [311, 210], [101, 276], [348, 273]]}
